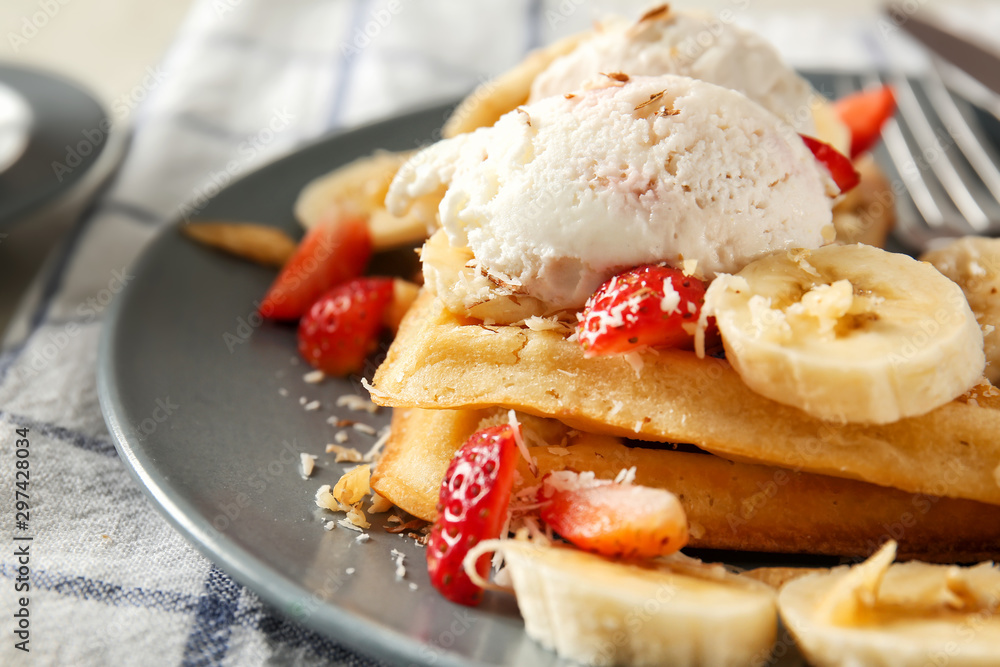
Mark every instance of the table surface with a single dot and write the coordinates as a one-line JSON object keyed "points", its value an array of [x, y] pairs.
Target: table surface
{"points": [[104, 44]]}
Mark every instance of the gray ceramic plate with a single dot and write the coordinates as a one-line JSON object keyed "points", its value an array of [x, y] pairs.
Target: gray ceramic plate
{"points": [[191, 384], [190, 391]]}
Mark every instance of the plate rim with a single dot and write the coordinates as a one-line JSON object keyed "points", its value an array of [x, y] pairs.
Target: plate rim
{"points": [[32, 83]]}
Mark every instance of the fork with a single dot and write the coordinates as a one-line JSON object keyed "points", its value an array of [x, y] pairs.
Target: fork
{"points": [[937, 154]]}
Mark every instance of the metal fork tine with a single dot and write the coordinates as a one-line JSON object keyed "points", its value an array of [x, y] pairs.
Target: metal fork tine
{"points": [[964, 135], [900, 153], [911, 112], [967, 87], [904, 160], [960, 191], [910, 224]]}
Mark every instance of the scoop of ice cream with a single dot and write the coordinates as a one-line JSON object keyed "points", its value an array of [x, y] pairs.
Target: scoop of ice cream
{"points": [[561, 194], [692, 44]]}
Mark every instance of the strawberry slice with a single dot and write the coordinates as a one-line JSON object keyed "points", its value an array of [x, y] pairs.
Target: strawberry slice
{"points": [[653, 305], [330, 253], [341, 328], [473, 507], [864, 113], [839, 165], [612, 519]]}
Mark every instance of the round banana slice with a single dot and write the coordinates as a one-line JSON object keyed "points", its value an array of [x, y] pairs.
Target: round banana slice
{"points": [[848, 333], [360, 187], [904, 615], [454, 276], [599, 612]]}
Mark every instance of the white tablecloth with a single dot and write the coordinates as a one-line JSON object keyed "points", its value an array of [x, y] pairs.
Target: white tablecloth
{"points": [[246, 81]]}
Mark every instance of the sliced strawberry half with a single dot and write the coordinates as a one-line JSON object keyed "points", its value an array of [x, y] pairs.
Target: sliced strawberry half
{"points": [[330, 253], [473, 504], [612, 519], [864, 113], [651, 305], [341, 328], [839, 165]]}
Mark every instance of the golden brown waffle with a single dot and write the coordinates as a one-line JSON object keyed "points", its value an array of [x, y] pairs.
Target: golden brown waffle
{"points": [[973, 262], [729, 505], [439, 361], [867, 213]]}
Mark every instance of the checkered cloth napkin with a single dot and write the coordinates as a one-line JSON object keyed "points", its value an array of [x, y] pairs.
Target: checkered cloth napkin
{"points": [[246, 81]]}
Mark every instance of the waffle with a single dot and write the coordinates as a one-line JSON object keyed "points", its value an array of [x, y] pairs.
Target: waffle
{"points": [[441, 361], [739, 506]]}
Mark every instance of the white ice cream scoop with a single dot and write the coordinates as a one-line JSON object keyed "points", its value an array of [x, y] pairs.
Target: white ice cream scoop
{"points": [[695, 44], [563, 193]]}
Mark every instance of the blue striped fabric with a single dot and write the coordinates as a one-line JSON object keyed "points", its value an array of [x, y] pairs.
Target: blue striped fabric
{"points": [[213, 621], [80, 587]]}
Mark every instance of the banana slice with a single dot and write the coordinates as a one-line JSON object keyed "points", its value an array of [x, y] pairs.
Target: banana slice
{"points": [[360, 186], [452, 273], [600, 612], [829, 127], [848, 333], [905, 614]]}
